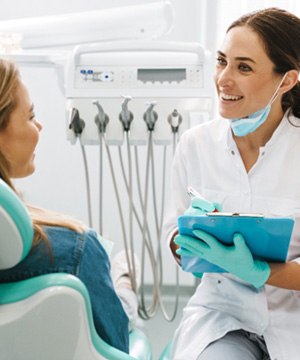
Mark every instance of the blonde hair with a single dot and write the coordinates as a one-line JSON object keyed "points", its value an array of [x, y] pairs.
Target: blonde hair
{"points": [[9, 80]]}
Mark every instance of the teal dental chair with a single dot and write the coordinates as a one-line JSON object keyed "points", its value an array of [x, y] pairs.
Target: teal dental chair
{"points": [[48, 317]]}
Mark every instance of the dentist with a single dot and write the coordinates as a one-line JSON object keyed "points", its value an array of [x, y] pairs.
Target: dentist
{"points": [[247, 161]]}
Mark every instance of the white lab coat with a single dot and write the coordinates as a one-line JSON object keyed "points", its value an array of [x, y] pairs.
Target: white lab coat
{"points": [[208, 160]]}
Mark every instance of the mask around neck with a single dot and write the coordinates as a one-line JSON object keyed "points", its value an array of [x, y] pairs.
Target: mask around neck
{"points": [[244, 126]]}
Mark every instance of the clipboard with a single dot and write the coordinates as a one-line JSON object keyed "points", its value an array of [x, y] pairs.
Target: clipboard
{"points": [[267, 238]]}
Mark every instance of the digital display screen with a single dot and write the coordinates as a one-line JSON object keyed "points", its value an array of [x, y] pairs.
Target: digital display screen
{"points": [[161, 75]]}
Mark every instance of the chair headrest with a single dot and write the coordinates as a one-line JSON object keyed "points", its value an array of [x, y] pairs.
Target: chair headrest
{"points": [[16, 231]]}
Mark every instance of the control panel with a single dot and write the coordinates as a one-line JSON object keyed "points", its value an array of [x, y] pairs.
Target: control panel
{"points": [[96, 77]]}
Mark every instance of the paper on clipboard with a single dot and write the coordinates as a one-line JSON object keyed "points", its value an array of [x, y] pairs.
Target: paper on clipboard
{"points": [[267, 238]]}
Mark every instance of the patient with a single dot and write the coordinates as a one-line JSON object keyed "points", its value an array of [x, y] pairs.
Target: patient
{"points": [[60, 244]]}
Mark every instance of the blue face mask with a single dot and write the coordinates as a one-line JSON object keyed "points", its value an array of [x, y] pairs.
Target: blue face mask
{"points": [[248, 124]]}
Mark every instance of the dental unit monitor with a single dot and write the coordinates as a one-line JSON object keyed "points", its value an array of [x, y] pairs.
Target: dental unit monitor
{"points": [[142, 69]]}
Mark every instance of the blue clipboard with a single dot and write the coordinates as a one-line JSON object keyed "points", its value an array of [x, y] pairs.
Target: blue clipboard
{"points": [[267, 238]]}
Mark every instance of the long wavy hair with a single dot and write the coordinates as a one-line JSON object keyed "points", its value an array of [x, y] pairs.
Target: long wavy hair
{"points": [[279, 31], [9, 80]]}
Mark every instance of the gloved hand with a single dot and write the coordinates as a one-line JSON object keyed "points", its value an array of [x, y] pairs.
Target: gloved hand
{"points": [[236, 259], [200, 206], [198, 275]]}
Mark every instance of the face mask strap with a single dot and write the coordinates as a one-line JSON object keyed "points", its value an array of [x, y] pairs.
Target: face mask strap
{"points": [[273, 98]]}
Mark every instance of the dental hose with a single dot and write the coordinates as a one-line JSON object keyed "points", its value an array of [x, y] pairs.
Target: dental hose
{"points": [[145, 311], [157, 276], [101, 184], [88, 189]]}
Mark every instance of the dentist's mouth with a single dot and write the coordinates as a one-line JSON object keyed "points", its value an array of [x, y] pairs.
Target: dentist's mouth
{"points": [[226, 97]]}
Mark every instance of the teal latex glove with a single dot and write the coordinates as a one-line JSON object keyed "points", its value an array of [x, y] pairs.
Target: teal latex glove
{"points": [[198, 275], [200, 206], [236, 259]]}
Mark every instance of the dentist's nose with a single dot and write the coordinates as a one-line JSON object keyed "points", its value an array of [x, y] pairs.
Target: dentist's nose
{"points": [[224, 77]]}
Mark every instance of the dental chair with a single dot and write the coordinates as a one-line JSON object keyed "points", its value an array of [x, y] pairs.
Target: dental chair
{"points": [[48, 317]]}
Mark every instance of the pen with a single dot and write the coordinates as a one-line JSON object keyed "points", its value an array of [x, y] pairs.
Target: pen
{"points": [[193, 193]]}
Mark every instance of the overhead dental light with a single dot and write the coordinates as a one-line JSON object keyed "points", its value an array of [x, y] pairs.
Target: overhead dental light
{"points": [[145, 21]]}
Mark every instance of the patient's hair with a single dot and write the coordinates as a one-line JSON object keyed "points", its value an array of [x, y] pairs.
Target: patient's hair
{"points": [[280, 32], [9, 79]]}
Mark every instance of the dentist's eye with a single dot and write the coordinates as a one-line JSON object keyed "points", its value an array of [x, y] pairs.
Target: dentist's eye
{"points": [[245, 68]]}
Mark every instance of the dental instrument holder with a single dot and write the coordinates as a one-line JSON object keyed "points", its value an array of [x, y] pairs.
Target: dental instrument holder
{"points": [[175, 120], [150, 116], [125, 115], [76, 126], [101, 119], [76, 123]]}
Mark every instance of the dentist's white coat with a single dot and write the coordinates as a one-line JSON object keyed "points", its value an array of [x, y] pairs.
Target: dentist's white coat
{"points": [[208, 160]]}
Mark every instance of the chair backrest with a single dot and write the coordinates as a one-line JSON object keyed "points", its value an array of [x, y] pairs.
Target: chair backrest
{"points": [[47, 317], [16, 231]]}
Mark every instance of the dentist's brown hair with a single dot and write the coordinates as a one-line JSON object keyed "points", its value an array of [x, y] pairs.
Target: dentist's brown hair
{"points": [[279, 31]]}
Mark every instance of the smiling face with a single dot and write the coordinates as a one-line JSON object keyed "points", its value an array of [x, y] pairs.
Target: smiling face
{"points": [[244, 76], [19, 138]]}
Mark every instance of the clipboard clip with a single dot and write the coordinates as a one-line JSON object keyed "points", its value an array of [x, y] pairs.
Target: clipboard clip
{"points": [[235, 214]]}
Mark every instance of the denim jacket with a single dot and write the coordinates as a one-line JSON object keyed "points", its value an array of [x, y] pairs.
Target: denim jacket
{"points": [[83, 256]]}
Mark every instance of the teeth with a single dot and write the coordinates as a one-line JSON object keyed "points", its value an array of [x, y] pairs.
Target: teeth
{"points": [[231, 97]]}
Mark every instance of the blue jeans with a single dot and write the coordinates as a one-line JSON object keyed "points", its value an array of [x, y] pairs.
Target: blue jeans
{"points": [[83, 256]]}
